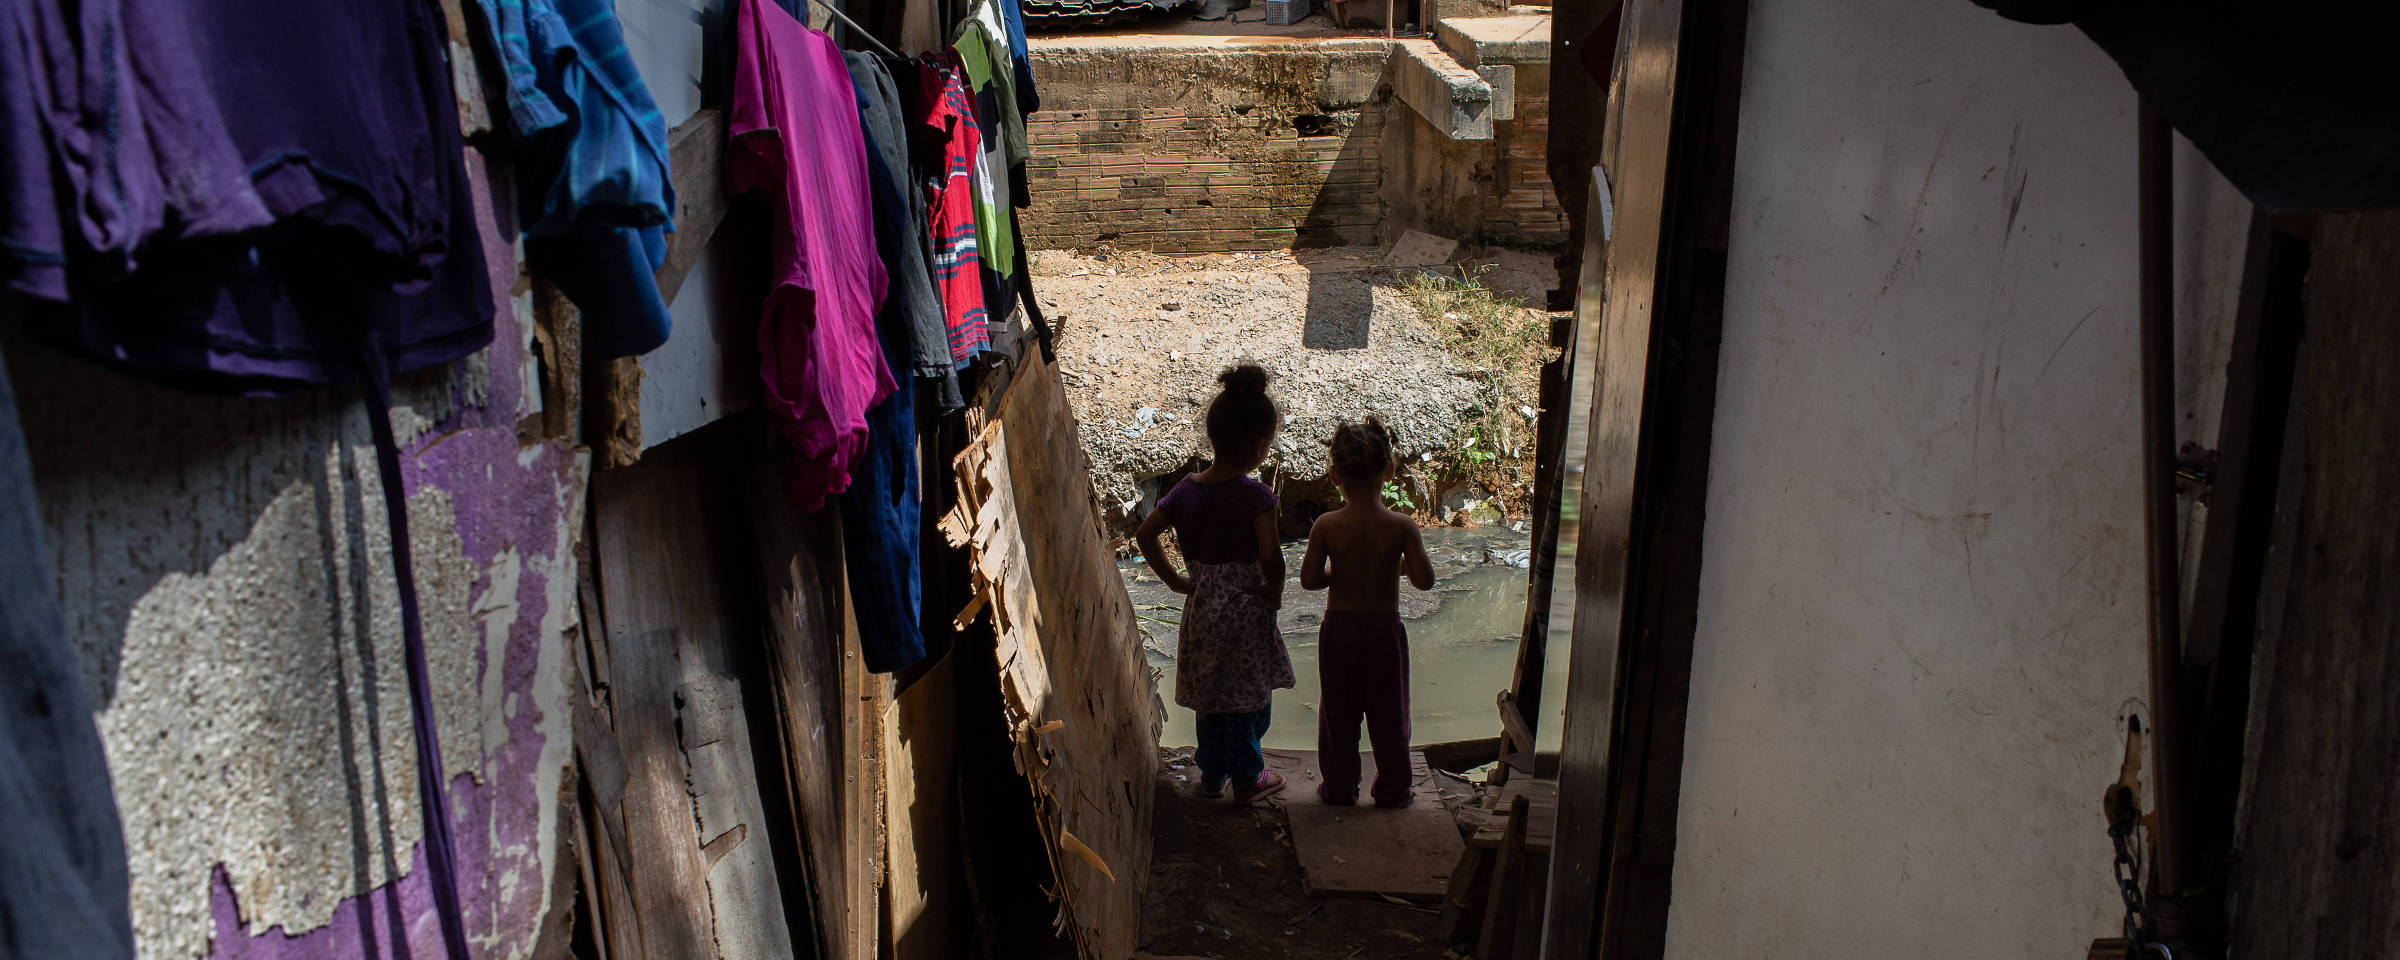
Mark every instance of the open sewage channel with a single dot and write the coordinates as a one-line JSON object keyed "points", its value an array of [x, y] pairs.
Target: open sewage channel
{"points": [[1462, 639]]}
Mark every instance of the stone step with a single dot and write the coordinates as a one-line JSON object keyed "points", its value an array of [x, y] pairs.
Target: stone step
{"points": [[1477, 42]]}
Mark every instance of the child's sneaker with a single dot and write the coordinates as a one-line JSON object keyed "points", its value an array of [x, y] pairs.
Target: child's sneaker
{"points": [[1268, 782], [1330, 801]]}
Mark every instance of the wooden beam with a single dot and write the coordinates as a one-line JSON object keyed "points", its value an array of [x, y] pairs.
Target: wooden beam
{"points": [[1508, 885], [696, 155], [1460, 756], [612, 393], [863, 841], [1516, 737], [558, 342], [1615, 320]]}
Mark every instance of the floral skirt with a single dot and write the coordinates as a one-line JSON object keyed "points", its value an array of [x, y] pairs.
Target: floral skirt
{"points": [[1229, 656]]}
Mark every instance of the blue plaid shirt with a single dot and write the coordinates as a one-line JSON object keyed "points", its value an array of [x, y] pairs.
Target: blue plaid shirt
{"points": [[594, 191]]}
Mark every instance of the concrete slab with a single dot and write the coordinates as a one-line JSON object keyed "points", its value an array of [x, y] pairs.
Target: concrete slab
{"points": [[1364, 850], [1417, 248], [1451, 97], [1486, 41]]}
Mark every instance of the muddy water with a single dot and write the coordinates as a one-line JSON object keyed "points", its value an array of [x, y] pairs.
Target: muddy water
{"points": [[1462, 638]]}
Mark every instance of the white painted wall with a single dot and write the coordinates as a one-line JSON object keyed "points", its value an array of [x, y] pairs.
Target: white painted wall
{"points": [[1921, 606]]}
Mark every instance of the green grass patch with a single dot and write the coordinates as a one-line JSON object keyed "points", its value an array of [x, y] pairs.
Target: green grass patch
{"points": [[1508, 342]]}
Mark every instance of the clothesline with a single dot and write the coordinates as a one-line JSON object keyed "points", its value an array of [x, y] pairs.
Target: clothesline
{"points": [[855, 28]]}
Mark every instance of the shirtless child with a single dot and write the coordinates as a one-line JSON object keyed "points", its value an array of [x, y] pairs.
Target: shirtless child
{"points": [[1360, 551]]}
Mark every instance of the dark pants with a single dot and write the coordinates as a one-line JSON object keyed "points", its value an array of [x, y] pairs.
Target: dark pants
{"points": [[1229, 747], [1362, 662]]}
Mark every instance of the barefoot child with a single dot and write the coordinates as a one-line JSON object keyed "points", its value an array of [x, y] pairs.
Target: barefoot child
{"points": [[1360, 551], [1229, 657]]}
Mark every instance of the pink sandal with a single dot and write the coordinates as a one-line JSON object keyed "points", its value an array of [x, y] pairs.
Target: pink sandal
{"points": [[1268, 782]]}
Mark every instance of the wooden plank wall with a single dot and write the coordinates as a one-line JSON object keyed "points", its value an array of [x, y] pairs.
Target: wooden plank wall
{"points": [[1077, 694], [2317, 866], [1641, 104], [701, 867], [1645, 484]]}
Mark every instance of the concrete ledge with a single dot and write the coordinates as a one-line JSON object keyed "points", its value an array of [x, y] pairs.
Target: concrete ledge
{"points": [[1504, 90], [1146, 43], [1453, 98], [1489, 41]]}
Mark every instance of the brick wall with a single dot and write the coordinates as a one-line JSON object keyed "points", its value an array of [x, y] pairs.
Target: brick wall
{"points": [[1198, 145], [1529, 212]]}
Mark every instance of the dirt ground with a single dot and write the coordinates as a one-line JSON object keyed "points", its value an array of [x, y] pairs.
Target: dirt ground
{"points": [[1224, 883], [1142, 337]]}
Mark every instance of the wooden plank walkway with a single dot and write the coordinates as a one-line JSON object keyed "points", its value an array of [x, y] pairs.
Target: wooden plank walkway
{"points": [[1364, 850]]}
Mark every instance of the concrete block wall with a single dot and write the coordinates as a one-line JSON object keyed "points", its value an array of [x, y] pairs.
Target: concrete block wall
{"points": [[1210, 144]]}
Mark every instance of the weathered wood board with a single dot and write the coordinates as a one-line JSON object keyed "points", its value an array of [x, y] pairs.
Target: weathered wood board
{"points": [[1079, 697], [2319, 857], [669, 621], [745, 900], [920, 753], [800, 575], [1365, 850]]}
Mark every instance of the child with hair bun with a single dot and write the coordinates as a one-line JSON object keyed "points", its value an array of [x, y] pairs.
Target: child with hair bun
{"points": [[1360, 551], [1229, 655]]}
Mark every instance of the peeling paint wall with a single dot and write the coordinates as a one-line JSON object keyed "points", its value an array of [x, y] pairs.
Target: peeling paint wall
{"points": [[1921, 610], [225, 571]]}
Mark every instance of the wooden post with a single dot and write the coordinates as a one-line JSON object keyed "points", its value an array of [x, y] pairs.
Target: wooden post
{"points": [[1508, 885]]}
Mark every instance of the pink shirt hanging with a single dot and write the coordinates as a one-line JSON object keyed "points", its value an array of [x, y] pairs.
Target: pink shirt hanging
{"points": [[796, 141]]}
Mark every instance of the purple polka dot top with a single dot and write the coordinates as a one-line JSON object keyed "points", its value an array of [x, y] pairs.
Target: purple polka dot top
{"points": [[1215, 522]]}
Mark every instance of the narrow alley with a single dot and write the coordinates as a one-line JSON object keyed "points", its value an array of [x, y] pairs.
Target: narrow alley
{"points": [[1181, 479]]}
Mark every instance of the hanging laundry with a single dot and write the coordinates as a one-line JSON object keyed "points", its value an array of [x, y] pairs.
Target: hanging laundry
{"points": [[64, 888], [880, 533], [900, 203], [983, 34], [796, 141], [1013, 14], [957, 250], [995, 240], [593, 188], [350, 136], [87, 100]]}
